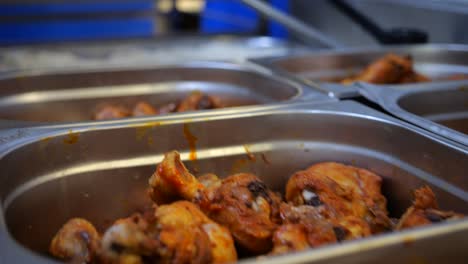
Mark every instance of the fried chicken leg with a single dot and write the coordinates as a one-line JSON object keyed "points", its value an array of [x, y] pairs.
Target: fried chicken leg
{"points": [[240, 202], [348, 196], [77, 240], [424, 211], [389, 69]]}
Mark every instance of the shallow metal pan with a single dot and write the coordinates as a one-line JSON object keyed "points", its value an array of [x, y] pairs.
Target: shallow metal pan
{"points": [[142, 52], [100, 173], [441, 108], [314, 69], [72, 96]]}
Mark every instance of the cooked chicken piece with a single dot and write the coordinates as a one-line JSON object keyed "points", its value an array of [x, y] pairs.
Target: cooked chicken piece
{"points": [[317, 230], [343, 192], [77, 240], [198, 101], [144, 109], [240, 202], [130, 241], [211, 182], [304, 226], [172, 181], [244, 204], [178, 233], [389, 69], [111, 112], [188, 235], [424, 211], [289, 238]]}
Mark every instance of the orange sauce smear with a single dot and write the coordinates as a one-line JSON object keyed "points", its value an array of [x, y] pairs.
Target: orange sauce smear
{"points": [[71, 138], [192, 140]]}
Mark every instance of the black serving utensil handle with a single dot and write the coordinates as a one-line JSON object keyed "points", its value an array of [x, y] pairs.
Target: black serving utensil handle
{"points": [[393, 36]]}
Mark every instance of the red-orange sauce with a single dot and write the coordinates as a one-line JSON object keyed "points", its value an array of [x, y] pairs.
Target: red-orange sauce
{"points": [[192, 140], [71, 138]]}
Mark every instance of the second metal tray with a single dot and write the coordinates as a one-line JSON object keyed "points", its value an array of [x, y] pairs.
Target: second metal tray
{"points": [[69, 97], [314, 69]]}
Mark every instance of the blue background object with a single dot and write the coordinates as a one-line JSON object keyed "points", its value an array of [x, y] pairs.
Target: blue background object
{"points": [[74, 8], [102, 19], [235, 17], [275, 29], [231, 16], [58, 21]]}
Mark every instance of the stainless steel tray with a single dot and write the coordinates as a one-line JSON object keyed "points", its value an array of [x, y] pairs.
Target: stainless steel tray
{"points": [[72, 96], [433, 60], [100, 173], [142, 52], [438, 107]]}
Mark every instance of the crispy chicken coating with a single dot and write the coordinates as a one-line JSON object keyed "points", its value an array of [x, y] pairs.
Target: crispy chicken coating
{"points": [[177, 233], [198, 220], [172, 181], [388, 69], [195, 101], [303, 227], [289, 238], [424, 211], [189, 236], [130, 241], [240, 202], [77, 240], [249, 209], [346, 193]]}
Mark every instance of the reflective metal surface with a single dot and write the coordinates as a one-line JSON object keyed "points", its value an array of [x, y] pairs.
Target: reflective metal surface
{"points": [[73, 96], [317, 69], [438, 107], [143, 52], [100, 172]]}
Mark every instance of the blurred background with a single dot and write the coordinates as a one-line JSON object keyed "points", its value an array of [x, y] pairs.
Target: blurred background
{"points": [[45, 34], [49, 21]]}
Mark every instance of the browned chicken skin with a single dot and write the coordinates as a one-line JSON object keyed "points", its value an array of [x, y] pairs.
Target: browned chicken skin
{"points": [[198, 101], [195, 101], [129, 240], [240, 202], [184, 221], [197, 220], [244, 204], [77, 240], [349, 196], [176, 233], [330, 202], [388, 69], [303, 227], [424, 211]]}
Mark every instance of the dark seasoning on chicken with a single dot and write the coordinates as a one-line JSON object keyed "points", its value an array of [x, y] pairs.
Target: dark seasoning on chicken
{"points": [[195, 101], [212, 220]]}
